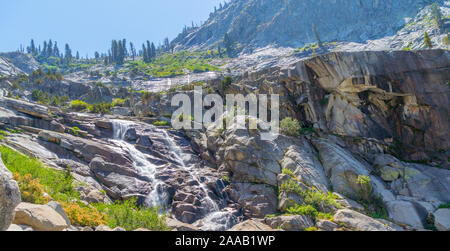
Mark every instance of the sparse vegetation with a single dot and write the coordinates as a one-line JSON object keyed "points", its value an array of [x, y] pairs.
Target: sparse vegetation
{"points": [[373, 203], [290, 127], [226, 82], [169, 65], [100, 108]]}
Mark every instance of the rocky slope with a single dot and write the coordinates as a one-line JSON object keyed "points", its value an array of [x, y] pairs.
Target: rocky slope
{"points": [[380, 115], [258, 23]]}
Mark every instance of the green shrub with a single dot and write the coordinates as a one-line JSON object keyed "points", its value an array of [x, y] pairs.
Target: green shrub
{"points": [[79, 105], [100, 84], [307, 210], [372, 202], [130, 217], [160, 123], [101, 108], [117, 102], [444, 206], [288, 172], [226, 82], [321, 202], [290, 127]]}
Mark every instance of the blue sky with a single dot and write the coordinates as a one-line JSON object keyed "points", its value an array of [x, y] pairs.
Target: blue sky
{"points": [[90, 25]]}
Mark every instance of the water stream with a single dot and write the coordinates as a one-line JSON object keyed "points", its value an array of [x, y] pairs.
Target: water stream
{"points": [[214, 218], [158, 197]]}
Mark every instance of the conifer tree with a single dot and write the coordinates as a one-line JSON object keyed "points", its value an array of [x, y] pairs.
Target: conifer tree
{"points": [[68, 54], [229, 45], [427, 41]]}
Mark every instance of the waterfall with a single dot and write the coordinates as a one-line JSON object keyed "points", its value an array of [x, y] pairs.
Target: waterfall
{"points": [[214, 220], [178, 154], [158, 197]]}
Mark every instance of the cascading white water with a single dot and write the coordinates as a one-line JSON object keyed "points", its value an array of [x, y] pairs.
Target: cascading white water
{"points": [[178, 154], [215, 220], [158, 197]]}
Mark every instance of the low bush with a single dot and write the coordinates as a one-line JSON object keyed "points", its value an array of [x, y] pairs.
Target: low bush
{"points": [[83, 215], [101, 108], [160, 123], [290, 127], [130, 217], [79, 105], [31, 189]]}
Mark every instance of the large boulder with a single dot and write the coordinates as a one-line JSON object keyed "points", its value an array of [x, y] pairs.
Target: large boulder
{"points": [[357, 221], [39, 217], [341, 167], [409, 213], [59, 209], [442, 219], [31, 109], [290, 223], [176, 225], [9, 197], [251, 225], [257, 200]]}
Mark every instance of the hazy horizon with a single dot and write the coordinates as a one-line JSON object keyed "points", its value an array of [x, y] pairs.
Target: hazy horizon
{"points": [[89, 26]]}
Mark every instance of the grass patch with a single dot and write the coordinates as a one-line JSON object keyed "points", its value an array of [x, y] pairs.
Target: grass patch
{"points": [[57, 184], [179, 63]]}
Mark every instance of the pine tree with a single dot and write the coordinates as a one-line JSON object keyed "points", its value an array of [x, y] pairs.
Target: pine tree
{"points": [[229, 45], [219, 50], [50, 49], [44, 52], [56, 50], [167, 43], [144, 53], [149, 52], [446, 40], [124, 47], [427, 41], [316, 34], [68, 54], [153, 50], [132, 50], [33, 48]]}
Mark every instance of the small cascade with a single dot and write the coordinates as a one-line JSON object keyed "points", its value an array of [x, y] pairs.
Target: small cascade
{"points": [[158, 197], [214, 220]]}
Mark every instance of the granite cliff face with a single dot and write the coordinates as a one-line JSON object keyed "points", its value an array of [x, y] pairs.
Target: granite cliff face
{"points": [[258, 23]]}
